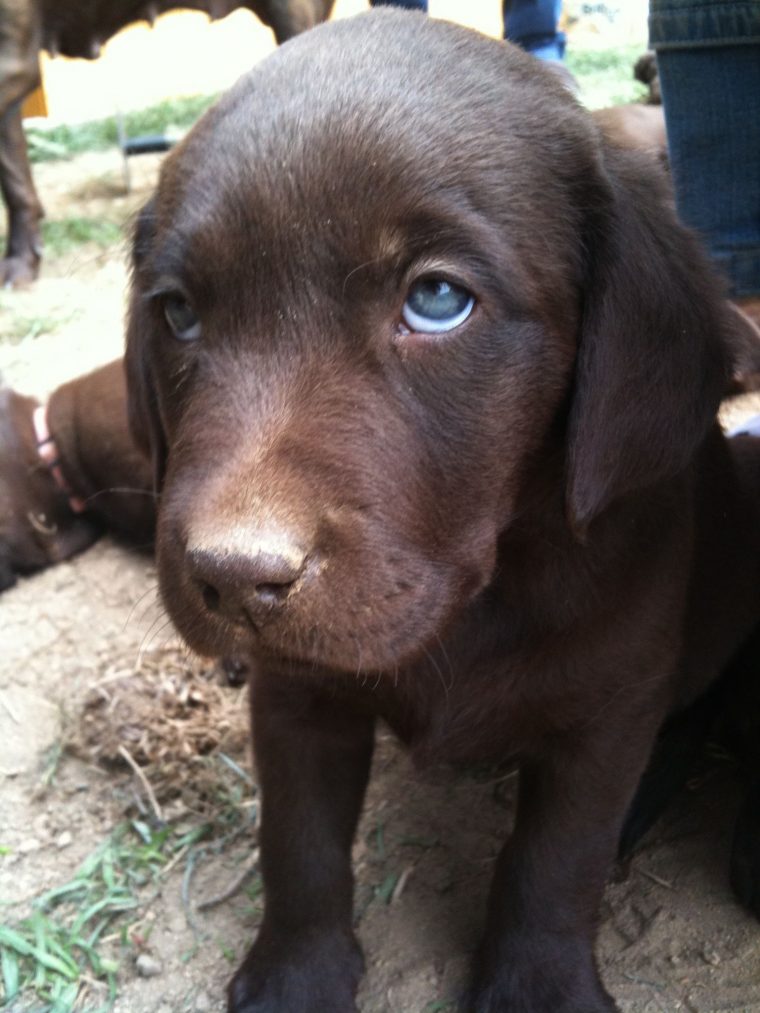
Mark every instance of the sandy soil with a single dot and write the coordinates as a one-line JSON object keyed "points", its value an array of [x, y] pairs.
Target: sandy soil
{"points": [[671, 937]]}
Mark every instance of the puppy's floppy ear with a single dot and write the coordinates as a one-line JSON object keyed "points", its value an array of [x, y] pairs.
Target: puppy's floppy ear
{"points": [[652, 363], [142, 400]]}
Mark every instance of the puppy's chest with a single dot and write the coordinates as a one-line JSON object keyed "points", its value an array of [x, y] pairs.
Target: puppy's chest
{"points": [[482, 714]]}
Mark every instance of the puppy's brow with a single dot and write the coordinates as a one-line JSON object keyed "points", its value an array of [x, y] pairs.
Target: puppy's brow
{"points": [[361, 267], [165, 270]]}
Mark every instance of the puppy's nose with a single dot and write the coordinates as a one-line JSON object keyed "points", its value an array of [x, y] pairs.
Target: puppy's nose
{"points": [[249, 578]]}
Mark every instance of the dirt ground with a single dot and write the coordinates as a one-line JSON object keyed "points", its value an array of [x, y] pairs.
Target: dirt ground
{"points": [[671, 938]]}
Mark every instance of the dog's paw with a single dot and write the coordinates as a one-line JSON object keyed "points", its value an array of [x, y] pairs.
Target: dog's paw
{"points": [[319, 977], [497, 999], [18, 272], [745, 852], [538, 983]]}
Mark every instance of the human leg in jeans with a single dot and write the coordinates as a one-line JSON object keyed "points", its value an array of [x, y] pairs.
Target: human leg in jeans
{"points": [[532, 24], [708, 56], [410, 5]]}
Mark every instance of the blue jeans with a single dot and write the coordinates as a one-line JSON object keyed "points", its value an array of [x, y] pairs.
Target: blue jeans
{"points": [[708, 54], [409, 5], [532, 24]]}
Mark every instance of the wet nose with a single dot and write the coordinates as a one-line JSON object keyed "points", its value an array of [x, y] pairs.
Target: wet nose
{"points": [[250, 581]]}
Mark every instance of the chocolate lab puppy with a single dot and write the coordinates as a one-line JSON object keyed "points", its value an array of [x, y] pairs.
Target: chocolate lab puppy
{"points": [[69, 470], [429, 374]]}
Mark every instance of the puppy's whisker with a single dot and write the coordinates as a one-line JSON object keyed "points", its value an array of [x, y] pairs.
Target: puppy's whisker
{"points": [[122, 489], [159, 624], [439, 673], [447, 659], [359, 655], [367, 263], [138, 602]]}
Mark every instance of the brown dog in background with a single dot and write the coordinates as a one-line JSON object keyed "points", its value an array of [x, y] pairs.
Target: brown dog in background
{"points": [[89, 476], [78, 28], [430, 374]]}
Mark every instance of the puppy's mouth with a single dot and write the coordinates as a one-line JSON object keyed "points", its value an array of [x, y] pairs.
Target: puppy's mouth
{"points": [[349, 618]]}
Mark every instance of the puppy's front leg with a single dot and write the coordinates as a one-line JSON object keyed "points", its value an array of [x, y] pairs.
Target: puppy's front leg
{"points": [[313, 758], [537, 953]]}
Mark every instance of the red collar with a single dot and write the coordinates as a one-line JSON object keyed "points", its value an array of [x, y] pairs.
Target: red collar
{"points": [[48, 451]]}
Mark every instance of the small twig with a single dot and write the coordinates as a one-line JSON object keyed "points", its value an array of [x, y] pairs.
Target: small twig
{"points": [[401, 885], [115, 676], [655, 878], [12, 714], [234, 887], [186, 902], [173, 861], [236, 768], [94, 983], [140, 774]]}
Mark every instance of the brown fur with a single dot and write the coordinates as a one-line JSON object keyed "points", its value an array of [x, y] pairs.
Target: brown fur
{"points": [[523, 538], [88, 420], [635, 126]]}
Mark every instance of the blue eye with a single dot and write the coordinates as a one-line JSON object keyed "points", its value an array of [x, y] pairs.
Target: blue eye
{"points": [[181, 317], [434, 306]]}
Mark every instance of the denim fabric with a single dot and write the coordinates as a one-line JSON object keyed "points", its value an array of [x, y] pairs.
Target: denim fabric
{"points": [[677, 24], [708, 56], [532, 24], [410, 5]]}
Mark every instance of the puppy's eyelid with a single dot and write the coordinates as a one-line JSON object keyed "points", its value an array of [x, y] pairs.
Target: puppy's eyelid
{"points": [[164, 287]]}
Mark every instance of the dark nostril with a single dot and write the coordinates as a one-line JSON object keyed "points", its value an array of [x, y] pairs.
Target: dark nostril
{"points": [[211, 597]]}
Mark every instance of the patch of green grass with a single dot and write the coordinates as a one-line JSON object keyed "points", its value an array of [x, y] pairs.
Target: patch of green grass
{"points": [[384, 890], [61, 235], [19, 328], [56, 952], [606, 75], [227, 952], [62, 141]]}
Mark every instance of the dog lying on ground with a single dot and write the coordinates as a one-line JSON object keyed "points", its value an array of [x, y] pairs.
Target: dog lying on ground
{"points": [[69, 470]]}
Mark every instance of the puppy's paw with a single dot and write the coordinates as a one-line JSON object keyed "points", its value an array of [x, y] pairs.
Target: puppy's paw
{"points": [[745, 852], [496, 998], [535, 981], [320, 976]]}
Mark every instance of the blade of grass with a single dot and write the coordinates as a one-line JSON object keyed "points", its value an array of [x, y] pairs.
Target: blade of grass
{"points": [[10, 971]]}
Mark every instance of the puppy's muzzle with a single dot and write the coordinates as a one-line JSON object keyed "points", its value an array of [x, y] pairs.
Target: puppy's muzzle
{"points": [[247, 579]]}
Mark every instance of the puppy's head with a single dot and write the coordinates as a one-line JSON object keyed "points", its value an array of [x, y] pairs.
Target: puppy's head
{"points": [[381, 284], [37, 526]]}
